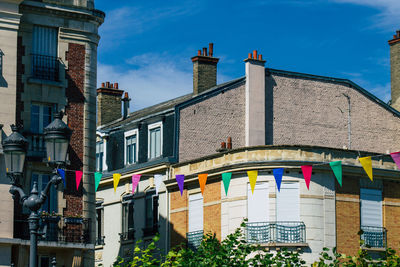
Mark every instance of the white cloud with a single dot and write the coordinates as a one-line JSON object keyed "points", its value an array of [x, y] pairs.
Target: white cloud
{"points": [[151, 79], [389, 11]]}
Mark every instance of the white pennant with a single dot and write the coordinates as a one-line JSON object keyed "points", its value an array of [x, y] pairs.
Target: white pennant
{"points": [[158, 178]]}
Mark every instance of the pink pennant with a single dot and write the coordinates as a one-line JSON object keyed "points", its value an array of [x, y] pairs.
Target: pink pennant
{"points": [[135, 181], [307, 171], [396, 158], [78, 178]]}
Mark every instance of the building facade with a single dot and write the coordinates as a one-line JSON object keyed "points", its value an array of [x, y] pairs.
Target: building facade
{"points": [[49, 64]]}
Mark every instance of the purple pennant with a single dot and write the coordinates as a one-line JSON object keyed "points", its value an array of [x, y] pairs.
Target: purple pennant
{"points": [[180, 179], [396, 158], [61, 172], [278, 173]]}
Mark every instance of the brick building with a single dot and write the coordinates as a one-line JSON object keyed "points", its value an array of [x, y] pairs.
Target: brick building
{"points": [[49, 64]]}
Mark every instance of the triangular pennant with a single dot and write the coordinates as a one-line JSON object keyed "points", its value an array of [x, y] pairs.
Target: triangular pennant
{"points": [[396, 158], [226, 178], [202, 181], [252, 179], [61, 172], [180, 179], [78, 178], [307, 171], [278, 173], [366, 162], [116, 177], [135, 181], [336, 167], [158, 178], [97, 178]]}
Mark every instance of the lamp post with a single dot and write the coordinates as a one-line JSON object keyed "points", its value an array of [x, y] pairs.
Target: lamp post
{"points": [[57, 136]]}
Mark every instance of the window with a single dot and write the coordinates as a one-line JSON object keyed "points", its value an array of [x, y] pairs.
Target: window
{"points": [[128, 230], [195, 234], [41, 116], [44, 53], [258, 203], [155, 140], [151, 213], [288, 202], [99, 156], [131, 145], [50, 205], [44, 261], [99, 223]]}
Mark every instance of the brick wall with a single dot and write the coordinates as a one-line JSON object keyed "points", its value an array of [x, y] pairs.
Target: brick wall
{"points": [[204, 76], [314, 112], [391, 213], [212, 208], [108, 105], [178, 220], [74, 110], [348, 216], [204, 125]]}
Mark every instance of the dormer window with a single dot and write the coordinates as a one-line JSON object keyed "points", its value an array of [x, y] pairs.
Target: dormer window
{"points": [[131, 146], [155, 140]]}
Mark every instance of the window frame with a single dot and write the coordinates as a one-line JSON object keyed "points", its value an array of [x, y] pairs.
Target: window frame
{"points": [[101, 145], [99, 209], [129, 134], [127, 203], [150, 127], [50, 197], [41, 115]]}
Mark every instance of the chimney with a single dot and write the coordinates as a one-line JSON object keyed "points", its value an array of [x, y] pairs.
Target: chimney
{"points": [[108, 103], [204, 70], [255, 100], [395, 70], [125, 100]]}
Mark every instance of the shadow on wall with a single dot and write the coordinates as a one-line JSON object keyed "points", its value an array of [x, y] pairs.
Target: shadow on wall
{"points": [[269, 109], [3, 82]]}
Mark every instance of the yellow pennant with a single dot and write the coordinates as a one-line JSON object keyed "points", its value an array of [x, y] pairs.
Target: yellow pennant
{"points": [[116, 177], [252, 179], [202, 181], [366, 162]]}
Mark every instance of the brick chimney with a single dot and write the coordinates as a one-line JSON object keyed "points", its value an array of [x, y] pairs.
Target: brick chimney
{"points": [[395, 70], [204, 70], [125, 105], [108, 103]]}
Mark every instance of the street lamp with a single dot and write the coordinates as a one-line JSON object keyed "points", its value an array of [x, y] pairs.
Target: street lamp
{"points": [[57, 136]]}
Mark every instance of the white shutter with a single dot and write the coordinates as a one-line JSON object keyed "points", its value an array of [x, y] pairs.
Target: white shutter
{"points": [[44, 41], [195, 212], [258, 203], [371, 207], [288, 202]]}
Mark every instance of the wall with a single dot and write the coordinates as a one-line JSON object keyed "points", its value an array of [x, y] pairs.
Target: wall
{"points": [[391, 212], [204, 125], [314, 112]]}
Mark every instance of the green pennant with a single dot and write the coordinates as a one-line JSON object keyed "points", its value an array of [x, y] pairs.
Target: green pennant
{"points": [[97, 178], [337, 170], [226, 178]]}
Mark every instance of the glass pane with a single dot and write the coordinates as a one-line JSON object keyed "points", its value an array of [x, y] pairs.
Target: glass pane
{"points": [[46, 116], [158, 142], [35, 118], [149, 211], [130, 216]]}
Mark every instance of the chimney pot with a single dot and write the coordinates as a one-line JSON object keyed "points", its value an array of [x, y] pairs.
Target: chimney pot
{"points": [[116, 85], [229, 142], [254, 54], [259, 57], [249, 56], [205, 51], [223, 145], [398, 33], [111, 85], [102, 85], [107, 84], [199, 52], [210, 49], [126, 95]]}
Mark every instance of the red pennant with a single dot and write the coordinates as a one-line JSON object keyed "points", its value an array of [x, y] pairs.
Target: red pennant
{"points": [[307, 171], [78, 178]]}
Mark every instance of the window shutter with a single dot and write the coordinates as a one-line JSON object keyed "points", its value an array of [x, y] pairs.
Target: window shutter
{"points": [[258, 203], [195, 212], [371, 207], [288, 202]]}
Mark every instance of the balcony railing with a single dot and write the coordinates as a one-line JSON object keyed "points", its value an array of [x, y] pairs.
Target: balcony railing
{"points": [[36, 145], [126, 236], [45, 67], [374, 237], [276, 232], [57, 229], [194, 239]]}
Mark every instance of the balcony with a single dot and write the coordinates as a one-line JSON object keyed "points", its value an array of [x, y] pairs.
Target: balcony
{"points": [[56, 229], [374, 237], [36, 145], [194, 239], [45, 67], [127, 236], [276, 232]]}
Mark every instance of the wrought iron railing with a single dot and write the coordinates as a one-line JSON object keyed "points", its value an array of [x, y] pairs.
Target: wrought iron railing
{"points": [[276, 232], [129, 235], [374, 237], [45, 67], [36, 145], [194, 239], [100, 241], [57, 229]]}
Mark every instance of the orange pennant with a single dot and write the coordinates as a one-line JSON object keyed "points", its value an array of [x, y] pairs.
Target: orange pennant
{"points": [[202, 181]]}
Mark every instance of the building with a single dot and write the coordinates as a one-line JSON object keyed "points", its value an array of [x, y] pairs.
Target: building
{"points": [[48, 64]]}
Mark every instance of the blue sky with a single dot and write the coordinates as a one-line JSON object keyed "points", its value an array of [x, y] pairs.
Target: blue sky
{"points": [[146, 46]]}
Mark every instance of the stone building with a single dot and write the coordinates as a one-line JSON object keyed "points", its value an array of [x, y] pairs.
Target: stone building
{"points": [[48, 63]]}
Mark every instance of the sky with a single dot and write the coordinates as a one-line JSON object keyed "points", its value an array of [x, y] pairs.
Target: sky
{"points": [[146, 46]]}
